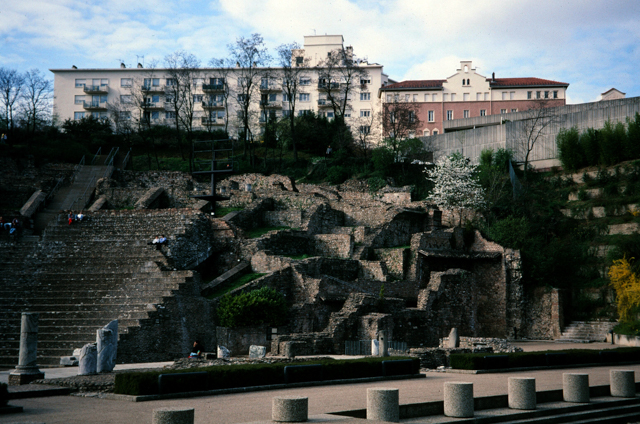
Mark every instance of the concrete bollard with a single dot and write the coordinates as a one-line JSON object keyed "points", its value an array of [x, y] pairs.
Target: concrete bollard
{"points": [[383, 404], [623, 383], [293, 409], [522, 393], [458, 399], [575, 387], [173, 416]]}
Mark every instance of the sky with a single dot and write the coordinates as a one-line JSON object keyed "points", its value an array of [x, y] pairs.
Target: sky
{"points": [[593, 45]]}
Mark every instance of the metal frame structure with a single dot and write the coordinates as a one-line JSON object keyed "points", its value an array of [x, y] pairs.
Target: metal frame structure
{"points": [[212, 157]]}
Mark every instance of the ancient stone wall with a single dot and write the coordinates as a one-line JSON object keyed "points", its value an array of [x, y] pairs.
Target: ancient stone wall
{"points": [[286, 218], [260, 182], [238, 340], [333, 245], [543, 314], [396, 260]]}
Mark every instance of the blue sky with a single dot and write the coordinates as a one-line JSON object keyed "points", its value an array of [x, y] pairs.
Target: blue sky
{"points": [[592, 44]]}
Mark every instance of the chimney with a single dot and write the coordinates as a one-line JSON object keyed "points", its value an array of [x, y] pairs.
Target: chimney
{"points": [[74, 67], [237, 64], [139, 65], [122, 65], [493, 77]]}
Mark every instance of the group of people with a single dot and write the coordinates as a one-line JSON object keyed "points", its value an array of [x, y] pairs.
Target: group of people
{"points": [[75, 217], [158, 241]]}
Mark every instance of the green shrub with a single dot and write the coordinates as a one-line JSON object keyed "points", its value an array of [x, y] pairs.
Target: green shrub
{"points": [[375, 184], [257, 307], [571, 154], [337, 174], [223, 377]]}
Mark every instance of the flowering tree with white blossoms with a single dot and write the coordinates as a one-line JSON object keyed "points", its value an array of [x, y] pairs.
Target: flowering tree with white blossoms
{"points": [[455, 184]]}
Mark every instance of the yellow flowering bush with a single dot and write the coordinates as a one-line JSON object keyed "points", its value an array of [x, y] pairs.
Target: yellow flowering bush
{"points": [[627, 286]]}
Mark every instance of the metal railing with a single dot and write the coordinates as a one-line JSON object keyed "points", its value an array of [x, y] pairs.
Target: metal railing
{"points": [[363, 347], [81, 202], [111, 156], [95, 157], [126, 160]]}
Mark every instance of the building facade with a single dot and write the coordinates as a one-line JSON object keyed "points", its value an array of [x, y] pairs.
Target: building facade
{"points": [[216, 95], [467, 94]]}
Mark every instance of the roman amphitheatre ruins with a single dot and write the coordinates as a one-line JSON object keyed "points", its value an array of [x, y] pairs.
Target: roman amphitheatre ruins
{"points": [[334, 250]]}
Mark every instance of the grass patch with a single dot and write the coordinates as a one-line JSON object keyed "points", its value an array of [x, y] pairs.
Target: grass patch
{"points": [[297, 257], [220, 212], [260, 231], [234, 284]]}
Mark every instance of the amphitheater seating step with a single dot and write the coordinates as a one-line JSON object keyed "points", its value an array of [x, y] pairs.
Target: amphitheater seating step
{"points": [[587, 331]]}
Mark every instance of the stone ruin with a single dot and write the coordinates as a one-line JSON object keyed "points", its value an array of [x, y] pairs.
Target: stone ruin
{"points": [[341, 245]]}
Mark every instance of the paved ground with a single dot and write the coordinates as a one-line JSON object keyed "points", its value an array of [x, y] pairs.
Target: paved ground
{"points": [[256, 406]]}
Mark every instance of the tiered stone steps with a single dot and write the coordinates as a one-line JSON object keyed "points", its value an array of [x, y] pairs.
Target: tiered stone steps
{"points": [[587, 331], [79, 277]]}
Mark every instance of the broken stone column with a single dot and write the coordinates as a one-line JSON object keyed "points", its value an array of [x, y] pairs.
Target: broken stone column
{"points": [[454, 340], [88, 360], [27, 369], [375, 348], [107, 344], [256, 351], [223, 352], [383, 346]]}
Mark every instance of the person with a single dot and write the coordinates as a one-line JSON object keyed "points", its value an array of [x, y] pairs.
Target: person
{"points": [[155, 241], [3, 139], [197, 350], [80, 216], [329, 150], [70, 217], [162, 239]]}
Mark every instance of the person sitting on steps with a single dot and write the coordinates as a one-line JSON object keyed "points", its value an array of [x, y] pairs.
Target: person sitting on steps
{"points": [[197, 350]]}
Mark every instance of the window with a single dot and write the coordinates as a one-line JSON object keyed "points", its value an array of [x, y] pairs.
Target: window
{"points": [[80, 83], [155, 115], [389, 98], [364, 81], [104, 81], [197, 98], [347, 115], [503, 110], [365, 113], [449, 115], [273, 97], [537, 94], [126, 82], [304, 97], [435, 132], [299, 60], [220, 115], [286, 113], [78, 115], [466, 97], [156, 98], [197, 81], [427, 97], [453, 97], [514, 110], [434, 97], [242, 98], [463, 81], [483, 112], [468, 81], [79, 100], [512, 95], [478, 97], [407, 97], [546, 94], [415, 97], [529, 95], [330, 114], [504, 95], [486, 97], [365, 96], [430, 115], [170, 115], [305, 81], [124, 115], [425, 133], [412, 116], [555, 94], [445, 97], [365, 129], [285, 97], [303, 112], [465, 114], [125, 98]]}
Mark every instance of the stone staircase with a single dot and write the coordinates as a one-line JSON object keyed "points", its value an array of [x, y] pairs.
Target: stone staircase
{"points": [[587, 331], [81, 276], [75, 196]]}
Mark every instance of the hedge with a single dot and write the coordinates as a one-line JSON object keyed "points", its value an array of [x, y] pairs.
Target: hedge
{"points": [[232, 376], [483, 361]]}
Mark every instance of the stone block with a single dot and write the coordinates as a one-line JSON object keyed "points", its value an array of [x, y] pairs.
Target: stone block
{"points": [[383, 404], [522, 393], [223, 352], [173, 416], [69, 361], [32, 205], [454, 340], [107, 345], [98, 204], [575, 387], [88, 360], [257, 351], [622, 383], [458, 399], [293, 409], [149, 197]]}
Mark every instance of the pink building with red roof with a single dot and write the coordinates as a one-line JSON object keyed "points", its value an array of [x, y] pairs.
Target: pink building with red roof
{"points": [[467, 94]]}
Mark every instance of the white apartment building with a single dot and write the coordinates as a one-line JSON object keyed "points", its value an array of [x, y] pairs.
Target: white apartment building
{"points": [[110, 93]]}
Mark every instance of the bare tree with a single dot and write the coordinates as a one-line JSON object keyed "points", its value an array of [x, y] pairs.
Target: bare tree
{"points": [[250, 55], [294, 66], [532, 128], [399, 122], [11, 85], [218, 89], [182, 70], [366, 129], [36, 99], [339, 76]]}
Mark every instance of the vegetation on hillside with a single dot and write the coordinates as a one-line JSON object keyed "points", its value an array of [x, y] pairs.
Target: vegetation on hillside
{"points": [[264, 306]]}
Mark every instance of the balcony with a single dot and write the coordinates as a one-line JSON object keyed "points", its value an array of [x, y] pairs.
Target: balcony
{"points": [[153, 88], [96, 89], [212, 88], [211, 122], [324, 103], [271, 105], [94, 105], [153, 105], [270, 86], [328, 86], [212, 105]]}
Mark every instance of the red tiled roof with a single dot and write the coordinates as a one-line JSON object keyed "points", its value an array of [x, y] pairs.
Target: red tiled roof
{"points": [[415, 84], [514, 82]]}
